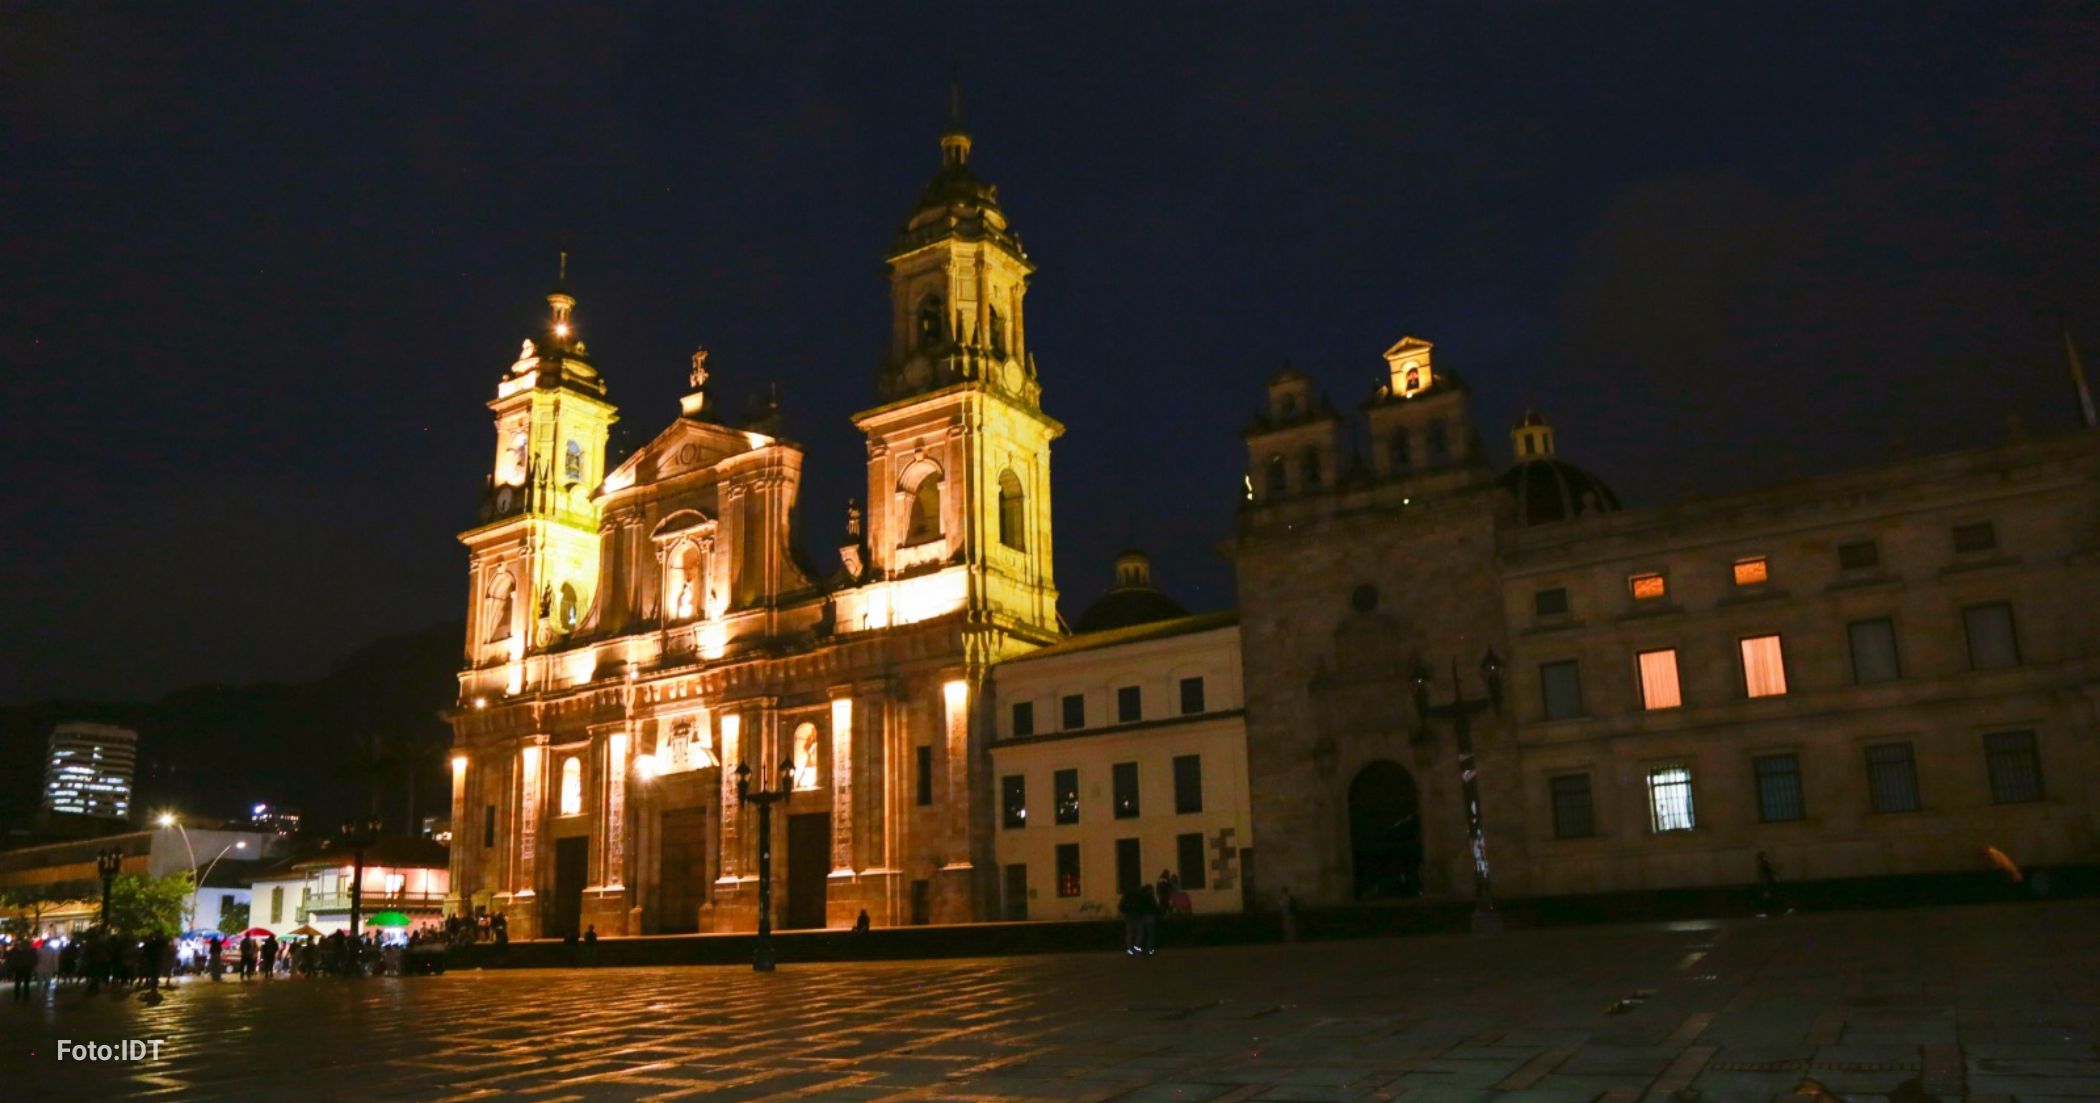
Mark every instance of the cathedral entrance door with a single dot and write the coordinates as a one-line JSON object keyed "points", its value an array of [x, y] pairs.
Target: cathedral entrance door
{"points": [[809, 868], [681, 871], [572, 860], [1385, 832]]}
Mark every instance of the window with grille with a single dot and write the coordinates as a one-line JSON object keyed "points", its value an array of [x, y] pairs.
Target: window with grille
{"points": [[1778, 788], [1993, 645], [1670, 799], [1659, 679], [2016, 767], [1574, 816], [1874, 651], [1068, 869], [1892, 777]]}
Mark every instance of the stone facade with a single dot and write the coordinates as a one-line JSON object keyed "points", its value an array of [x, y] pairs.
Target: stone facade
{"points": [[637, 632], [1874, 673]]}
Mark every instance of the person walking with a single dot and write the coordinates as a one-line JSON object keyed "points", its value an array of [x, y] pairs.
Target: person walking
{"points": [[269, 957], [590, 944], [21, 967], [218, 962], [247, 957], [1134, 907]]}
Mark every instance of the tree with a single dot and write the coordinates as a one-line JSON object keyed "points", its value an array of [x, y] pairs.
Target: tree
{"points": [[141, 905], [233, 920], [25, 907]]}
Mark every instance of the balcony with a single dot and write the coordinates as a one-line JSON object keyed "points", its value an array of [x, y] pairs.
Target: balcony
{"points": [[375, 902]]}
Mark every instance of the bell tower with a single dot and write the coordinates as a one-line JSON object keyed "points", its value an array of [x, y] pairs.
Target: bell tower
{"points": [[959, 452], [535, 552]]}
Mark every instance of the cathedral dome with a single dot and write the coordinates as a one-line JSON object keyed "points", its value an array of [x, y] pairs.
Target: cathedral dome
{"points": [[1133, 601], [1548, 488]]}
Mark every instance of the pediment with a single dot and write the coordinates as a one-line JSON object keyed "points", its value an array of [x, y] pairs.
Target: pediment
{"points": [[686, 447], [1407, 345], [680, 522]]}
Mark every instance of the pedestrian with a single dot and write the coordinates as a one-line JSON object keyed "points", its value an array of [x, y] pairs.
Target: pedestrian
{"points": [[152, 951], [502, 928], [21, 967], [247, 957], [590, 944], [1163, 890], [47, 963], [1140, 910], [269, 956], [1288, 905], [218, 962], [69, 960], [860, 922], [1767, 885]]}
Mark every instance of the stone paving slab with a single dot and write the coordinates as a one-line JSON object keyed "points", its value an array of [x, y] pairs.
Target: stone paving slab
{"points": [[1983, 1003]]}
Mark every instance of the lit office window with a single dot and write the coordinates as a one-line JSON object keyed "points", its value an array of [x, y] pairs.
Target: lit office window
{"points": [[1750, 572], [1648, 587], [1764, 667], [1670, 799], [1659, 679]]}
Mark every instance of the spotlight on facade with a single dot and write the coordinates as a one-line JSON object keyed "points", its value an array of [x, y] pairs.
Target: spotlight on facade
{"points": [[645, 766]]}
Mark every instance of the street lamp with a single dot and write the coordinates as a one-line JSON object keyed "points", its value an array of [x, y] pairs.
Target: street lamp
{"points": [[1460, 710], [762, 960], [189, 915], [357, 835], [107, 863]]}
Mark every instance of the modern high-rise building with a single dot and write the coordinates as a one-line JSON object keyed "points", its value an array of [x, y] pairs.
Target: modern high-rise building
{"points": [[89, 770]]}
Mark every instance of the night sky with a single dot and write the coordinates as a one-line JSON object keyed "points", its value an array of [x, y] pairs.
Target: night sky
{"points": [[264, 264]]}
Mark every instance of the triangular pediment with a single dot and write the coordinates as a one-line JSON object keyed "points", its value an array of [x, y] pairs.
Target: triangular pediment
{"points": [[1407, 345], [687, 446]]}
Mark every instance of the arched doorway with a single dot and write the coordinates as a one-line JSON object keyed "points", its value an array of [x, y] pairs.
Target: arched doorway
{"points": [[1385, 832]]}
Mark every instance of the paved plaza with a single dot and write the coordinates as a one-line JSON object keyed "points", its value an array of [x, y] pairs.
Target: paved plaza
{"points": [[1980, 1003]]}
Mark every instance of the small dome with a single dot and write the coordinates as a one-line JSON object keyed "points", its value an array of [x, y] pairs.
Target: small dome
{"points": [[1548, 489], [1133, 601]]}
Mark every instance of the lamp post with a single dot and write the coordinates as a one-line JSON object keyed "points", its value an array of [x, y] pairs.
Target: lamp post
{"points": [[1460, 710], [762, 959], [107, 863], [357, 835], [189, 915]]}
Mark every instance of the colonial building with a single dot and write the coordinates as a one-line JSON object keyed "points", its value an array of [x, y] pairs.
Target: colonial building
{"points": [[1121, 752], [641, 626], [1873, 673], [403, 873]]}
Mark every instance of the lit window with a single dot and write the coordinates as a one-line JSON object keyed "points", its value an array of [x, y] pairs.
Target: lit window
{"points": [[1764, 667], [572, 786], [1124, 776], [1670, 799], [806, 756], [1648, 587], [1013, 801], [1750, 572], [395, 882], [1068, 869], [1659, 679], [1065, 786]]}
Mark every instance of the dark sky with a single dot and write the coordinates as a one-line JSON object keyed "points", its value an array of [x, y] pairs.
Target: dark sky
{"points": [[265, 263]]}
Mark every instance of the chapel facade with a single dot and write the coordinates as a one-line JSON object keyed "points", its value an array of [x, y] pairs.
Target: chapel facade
{"points": [[641, 626], [1876, 673]]}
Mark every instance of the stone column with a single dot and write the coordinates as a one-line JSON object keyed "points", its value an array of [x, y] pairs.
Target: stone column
{"points": [[530, 770], [732, 737], [456, 872], [614, 874], [842, 779]]}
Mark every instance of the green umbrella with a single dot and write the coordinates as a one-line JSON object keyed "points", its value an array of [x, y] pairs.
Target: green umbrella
{"points": [[388, 919]]}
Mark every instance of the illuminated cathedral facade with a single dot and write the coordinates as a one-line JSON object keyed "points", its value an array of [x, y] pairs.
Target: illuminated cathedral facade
{"points": [[641, 626]]}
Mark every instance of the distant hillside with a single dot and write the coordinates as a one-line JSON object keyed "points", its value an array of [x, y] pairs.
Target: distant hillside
{"points": [[214, 750]]}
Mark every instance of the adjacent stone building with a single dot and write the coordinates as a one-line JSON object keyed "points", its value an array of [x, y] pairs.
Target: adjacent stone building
{"points": [[1121, 752], [1873, 673], [641, 626]]}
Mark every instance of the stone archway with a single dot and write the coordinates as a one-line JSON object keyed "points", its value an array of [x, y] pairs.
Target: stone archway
{"points": [[1385, 832]]}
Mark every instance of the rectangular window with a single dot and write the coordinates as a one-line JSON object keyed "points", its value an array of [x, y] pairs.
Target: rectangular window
{"points": [[1892, 778], [488, 826], [925, 777], [1992, 642], [1075, 711], [1659, 679], [1751, 572], [1648, 587], [1188, 860], [1191, 696], [1764, 667], [1778, 788], [1013, 800], [1874, 651], [1130, 865], [1979, 537], [1068, 869], [1065, 787], [1550, 603], [1670, 799], [1024, 718], [1574, 816], [1561, 686], [1188, 784], [277, 904], [1124, 778], [1439, 444], [1859, 555], [2016, 768], [1130, 705]]}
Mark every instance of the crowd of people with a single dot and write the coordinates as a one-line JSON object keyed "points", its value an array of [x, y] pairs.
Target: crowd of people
{"points": [[1142, 908], [95, 961]]}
